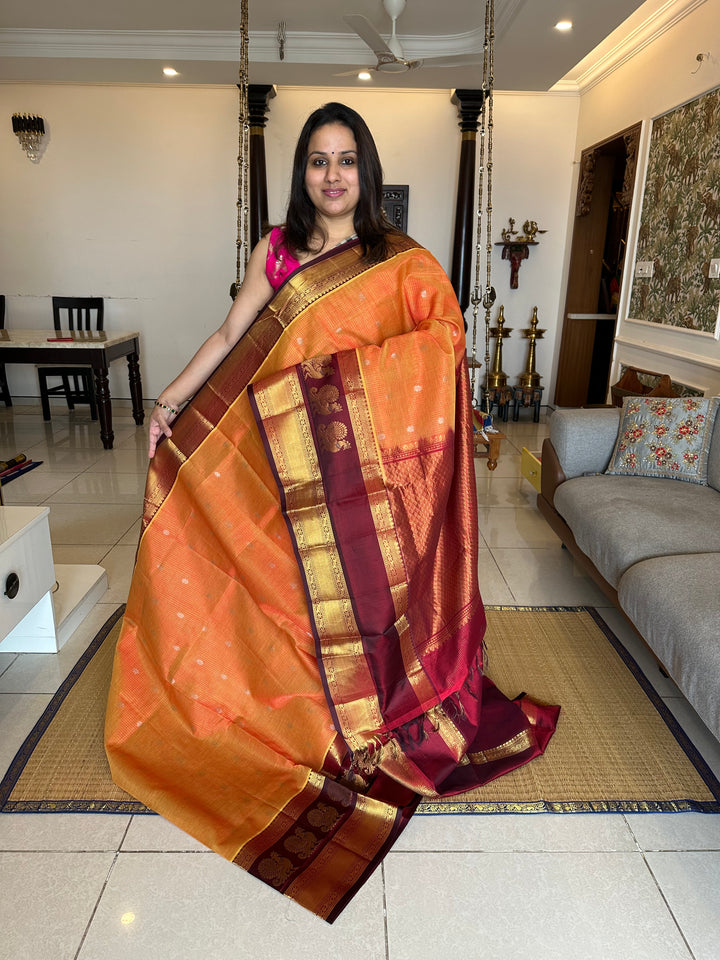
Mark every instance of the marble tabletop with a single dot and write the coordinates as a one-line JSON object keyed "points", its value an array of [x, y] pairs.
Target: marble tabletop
{"points": [[78, 338]]}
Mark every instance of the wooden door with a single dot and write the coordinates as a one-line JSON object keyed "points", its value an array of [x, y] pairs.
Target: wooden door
{"points": [[581, 304], [604, 197]]}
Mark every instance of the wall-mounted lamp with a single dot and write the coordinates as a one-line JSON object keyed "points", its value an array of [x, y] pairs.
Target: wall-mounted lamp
{"points": [[30, 131]]}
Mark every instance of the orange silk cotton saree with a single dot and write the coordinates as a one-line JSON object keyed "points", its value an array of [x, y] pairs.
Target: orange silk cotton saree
{"points": [[301, 655]]}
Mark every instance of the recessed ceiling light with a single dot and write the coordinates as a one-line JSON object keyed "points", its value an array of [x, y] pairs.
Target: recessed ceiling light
{"points": [[563, 25], [170, 71], [364, 75]]}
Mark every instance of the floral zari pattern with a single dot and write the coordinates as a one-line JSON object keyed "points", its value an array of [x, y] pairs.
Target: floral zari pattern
{"points": [[667, 438]]}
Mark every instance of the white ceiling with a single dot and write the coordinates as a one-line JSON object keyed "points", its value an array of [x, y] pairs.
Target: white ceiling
{"points": [[99, 41]]}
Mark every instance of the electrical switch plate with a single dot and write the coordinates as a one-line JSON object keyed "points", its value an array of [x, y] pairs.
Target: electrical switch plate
{"points": [[644, 268], [714, 271]]}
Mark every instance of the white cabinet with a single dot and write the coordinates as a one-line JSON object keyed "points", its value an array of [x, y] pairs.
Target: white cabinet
{"points": [[27, 577], [40, 604]]}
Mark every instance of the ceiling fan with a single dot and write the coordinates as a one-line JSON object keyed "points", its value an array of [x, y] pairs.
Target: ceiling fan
{"points": [[389, 53]]}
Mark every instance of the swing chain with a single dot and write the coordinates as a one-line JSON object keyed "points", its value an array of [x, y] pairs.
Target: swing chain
{"points": [[243, 228], [487, 298]]}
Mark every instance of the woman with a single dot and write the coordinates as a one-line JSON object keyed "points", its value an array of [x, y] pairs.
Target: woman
{"points": [[301, 656]]}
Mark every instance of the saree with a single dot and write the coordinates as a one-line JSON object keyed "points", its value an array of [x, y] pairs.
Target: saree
{"points": [[301, 658]]}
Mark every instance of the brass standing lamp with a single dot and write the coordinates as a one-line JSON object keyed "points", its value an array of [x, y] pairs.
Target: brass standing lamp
{"points": [[530, 379], [497, 378], [528, 392]]}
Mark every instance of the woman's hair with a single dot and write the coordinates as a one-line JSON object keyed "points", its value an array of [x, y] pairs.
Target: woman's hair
{"points": [[370, 222]]}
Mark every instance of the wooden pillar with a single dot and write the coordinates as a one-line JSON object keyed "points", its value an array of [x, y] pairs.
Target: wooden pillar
{"points": [[469, 104], [259, 96]]}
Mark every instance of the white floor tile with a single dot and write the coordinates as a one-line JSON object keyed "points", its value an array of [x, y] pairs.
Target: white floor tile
{"points": [[679, 831], [47, 900], [515, 527], [6, 660], [508, 464], [119, 563], [517, 905], [99, 488], [133, 534], [65, 458], [504, 492], [34, 487], [148, 832], [66, 553], [195, 905], [137, 440], [91, 522], [33, 673], [493, 588], [19, 712], [130, 456], [16, 436], [681, 876], [704, 741], [509, 832], [69, 832], [546, 575]]}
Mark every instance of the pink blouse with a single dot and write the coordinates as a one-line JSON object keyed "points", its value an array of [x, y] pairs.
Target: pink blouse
{"points": [[280, 262]]}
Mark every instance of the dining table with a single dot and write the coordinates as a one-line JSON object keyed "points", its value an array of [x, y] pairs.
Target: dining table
{"points": [[94, 348]]}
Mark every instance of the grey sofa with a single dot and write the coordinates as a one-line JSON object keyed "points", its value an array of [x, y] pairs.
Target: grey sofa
{"points": [[652, 545]]}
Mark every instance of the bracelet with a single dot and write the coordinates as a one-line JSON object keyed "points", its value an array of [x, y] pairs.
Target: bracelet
{"points": [[164, 406]]}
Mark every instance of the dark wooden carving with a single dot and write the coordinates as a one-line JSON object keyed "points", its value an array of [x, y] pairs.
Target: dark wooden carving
{"points": [[395, 204], [632, 140], [587, 182]]}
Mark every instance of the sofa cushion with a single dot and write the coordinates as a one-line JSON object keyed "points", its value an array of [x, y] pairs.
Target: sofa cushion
{"points": [[713, 473], [619, 521], [665, 437], [675, 604], [584, 439]]}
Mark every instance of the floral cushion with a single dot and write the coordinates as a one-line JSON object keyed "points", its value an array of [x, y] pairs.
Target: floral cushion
{"points": [[665, 438]]}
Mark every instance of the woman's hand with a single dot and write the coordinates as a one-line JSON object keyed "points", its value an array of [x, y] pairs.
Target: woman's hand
{"points": [[161, 417]]}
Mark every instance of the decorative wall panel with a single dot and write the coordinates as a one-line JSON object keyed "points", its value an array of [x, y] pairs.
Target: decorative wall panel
{"points": [[680, 221]]}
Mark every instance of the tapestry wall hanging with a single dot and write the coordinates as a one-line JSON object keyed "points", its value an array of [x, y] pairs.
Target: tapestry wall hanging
{"points": [[680, 220]]}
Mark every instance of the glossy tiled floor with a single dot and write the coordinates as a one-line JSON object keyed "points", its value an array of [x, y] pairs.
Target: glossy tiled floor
{"points": [[548, 887]]}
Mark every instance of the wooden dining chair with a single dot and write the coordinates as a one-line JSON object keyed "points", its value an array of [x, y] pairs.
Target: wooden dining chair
{"points": [[4, 389], [72, 314]]}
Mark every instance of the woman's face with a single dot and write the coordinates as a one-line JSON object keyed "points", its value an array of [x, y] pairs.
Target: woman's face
{"points": [[331, 174]]}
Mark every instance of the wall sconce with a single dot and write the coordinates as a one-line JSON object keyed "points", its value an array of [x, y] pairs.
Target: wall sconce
{"points": [[30, 131], [516, 246]]}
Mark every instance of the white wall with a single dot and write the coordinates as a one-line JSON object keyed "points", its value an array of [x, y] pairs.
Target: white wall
{"points": [[533, 177], [659, 78], [134, 200]]}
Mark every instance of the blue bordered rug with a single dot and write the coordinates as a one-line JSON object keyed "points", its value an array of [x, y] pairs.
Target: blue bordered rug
{"points": [[617, 748]]}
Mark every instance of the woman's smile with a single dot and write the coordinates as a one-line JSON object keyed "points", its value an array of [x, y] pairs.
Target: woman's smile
{"points": [[331, 175]]}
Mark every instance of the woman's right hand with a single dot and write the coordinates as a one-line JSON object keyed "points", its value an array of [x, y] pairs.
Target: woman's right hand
{"points": [[161, 417]]}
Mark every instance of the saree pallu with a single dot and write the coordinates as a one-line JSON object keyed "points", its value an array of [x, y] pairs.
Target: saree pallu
{"points": [[301, 654]]}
